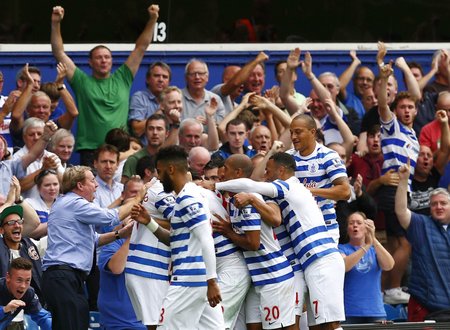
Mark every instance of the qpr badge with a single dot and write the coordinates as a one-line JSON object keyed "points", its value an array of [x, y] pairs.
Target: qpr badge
{"points": [[32, 253], [313, 167]]}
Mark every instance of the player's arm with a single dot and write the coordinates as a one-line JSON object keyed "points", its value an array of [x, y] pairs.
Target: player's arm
{"points": [[401, 200], [140, 214], [246, 185], [270, 213], [135, 58], [57, 41], [250, 240], [339, 191]]}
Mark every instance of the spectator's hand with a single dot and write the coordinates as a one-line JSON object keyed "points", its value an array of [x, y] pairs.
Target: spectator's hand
{"points": [[404, 171], [386, 70], [357, 185], [49, 129], [125, 232], [49, 163], [27, 76], [381, 53], [390, 178], [262, 57], [355, 57], [435, 64], [370, 231], [13, 305], [272, 94], [277, 146], [259, 102], [57, 14], [293, 60], [304, 107], [153, 11], [330, 108], [401, 63], [201, 119], [11, 100], [441, 116], [211, 108], [307, 66], [175, 116], [61, 69], [14, 191], [245, 100]]}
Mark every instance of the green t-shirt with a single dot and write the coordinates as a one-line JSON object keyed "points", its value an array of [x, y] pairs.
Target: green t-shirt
{"points": [[103, 104], [129, 168]]}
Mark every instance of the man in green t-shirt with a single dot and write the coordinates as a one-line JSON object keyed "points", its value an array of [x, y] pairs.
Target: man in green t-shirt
{"points": [[103, 98]]}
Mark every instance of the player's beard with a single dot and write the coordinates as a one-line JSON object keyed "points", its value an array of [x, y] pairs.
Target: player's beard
{"points": [[167, 183]]}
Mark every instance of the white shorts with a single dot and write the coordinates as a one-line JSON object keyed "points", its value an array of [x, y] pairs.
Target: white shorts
{"points": [[188, 308], [325, 282], [277, 304], [234, 284], [299, 291], [146, 295]]}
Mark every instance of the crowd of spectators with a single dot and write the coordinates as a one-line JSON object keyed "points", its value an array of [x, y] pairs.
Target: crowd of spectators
{"points": [[371, 157]]}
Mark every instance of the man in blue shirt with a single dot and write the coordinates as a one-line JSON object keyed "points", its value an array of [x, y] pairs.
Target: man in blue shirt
{"points": [[429, 237], [17, 295], [71, 242]]}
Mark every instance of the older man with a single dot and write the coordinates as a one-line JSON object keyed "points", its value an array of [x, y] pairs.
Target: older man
{"points": [[195, 96], [198, 158], [71, 242], [429, 237]]}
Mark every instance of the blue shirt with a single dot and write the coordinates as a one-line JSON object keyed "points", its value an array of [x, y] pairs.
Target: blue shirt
{"points": [[8, 168], [362, 285], [143, 104], [71, 231], [114, 304]]}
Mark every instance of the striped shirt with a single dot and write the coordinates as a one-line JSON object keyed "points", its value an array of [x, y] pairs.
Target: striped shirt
{"points": [[398, 143], [227, 253], [302, 219], [190, 211], [148, 257], [319, 170], [267, 265]]}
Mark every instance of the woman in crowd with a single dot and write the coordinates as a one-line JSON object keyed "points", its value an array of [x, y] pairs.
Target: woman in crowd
{"points": [[364, 258], [48, 187], [62, 144]]}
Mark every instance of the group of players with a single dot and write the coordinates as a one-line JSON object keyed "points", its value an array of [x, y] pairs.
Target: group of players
{"points": [[260, 250]]}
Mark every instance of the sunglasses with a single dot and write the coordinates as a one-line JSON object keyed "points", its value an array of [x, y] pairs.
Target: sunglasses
{"points": [[13, 222]]}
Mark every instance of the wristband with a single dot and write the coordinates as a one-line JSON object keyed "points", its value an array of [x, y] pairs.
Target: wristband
{"points": [[152, 225], [116, 234]]}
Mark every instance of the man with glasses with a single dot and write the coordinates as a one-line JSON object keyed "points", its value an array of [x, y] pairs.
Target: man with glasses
{"points": [[14, 245], [195, 96]]}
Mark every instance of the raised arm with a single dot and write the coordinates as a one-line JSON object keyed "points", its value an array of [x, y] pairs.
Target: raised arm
{"points": [[401, 199], [247, 186], [443, 152], [233, 114], [410, 80], [320, 89], [67, 118], [212, 142], [241, 76], [426, 78], [38, 148], [57, 41], [383, 107], [135, 58], [20, 106], [346, 133], [348, 73], [293, 61]]}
